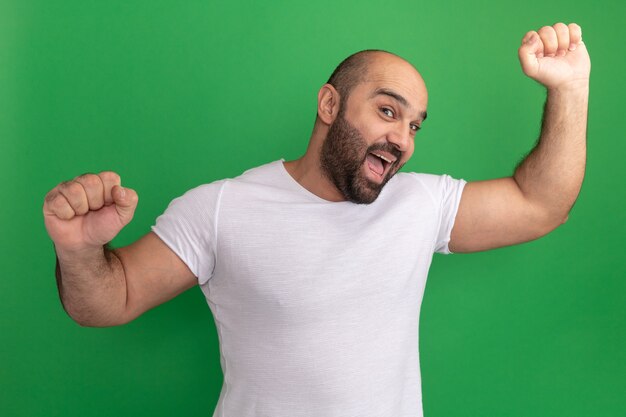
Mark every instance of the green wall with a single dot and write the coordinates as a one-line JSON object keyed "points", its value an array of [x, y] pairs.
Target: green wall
{"points": [[172, 94]]}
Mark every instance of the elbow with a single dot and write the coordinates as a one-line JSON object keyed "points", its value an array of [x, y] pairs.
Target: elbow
{"points": [[90, 318], [91, 322], [84, 322], [88, 322], [552, 222], [559, 220]]}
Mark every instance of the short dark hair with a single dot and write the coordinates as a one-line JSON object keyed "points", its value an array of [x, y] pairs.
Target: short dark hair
{"points": [[351, 71]]}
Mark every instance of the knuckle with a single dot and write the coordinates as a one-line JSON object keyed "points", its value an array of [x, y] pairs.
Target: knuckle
{"points": [[59, 204], [73, 188], [90, 180], [544, 30], [110, 176], [74, 193], [83, 175], [49, 198], [574, 28], [547, 34], [64, 187], [562, 31]]}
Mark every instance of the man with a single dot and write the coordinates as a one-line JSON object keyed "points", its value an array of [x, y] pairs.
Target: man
{"points": [[314, 269]]}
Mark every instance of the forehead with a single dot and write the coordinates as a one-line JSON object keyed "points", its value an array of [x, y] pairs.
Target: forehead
{"points": [[390, 74]]}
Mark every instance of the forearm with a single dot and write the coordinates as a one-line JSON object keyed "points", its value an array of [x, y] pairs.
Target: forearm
{"points": [[551, 176], [92, 286]]}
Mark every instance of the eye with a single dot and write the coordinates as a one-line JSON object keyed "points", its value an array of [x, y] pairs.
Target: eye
{"points": [[414, 128], [387, 111]]}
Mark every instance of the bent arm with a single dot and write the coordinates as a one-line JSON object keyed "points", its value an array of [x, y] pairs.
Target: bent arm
{"points": [[539, 196], [107, 287], [544, 187], [552, 174]]}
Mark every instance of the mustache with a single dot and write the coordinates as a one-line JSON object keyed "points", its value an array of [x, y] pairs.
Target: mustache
{"points": [[386, 147]]}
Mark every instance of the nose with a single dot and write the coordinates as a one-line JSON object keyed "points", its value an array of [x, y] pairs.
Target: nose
{"points": [[400, 137]]}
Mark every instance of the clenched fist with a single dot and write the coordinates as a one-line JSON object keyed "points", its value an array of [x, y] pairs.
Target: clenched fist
{"points": [[556, 56], [88, 211]]}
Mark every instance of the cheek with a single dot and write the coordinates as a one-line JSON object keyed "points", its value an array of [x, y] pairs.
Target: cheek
{"points": [[408, 153], [370, 135], [371, 129]]}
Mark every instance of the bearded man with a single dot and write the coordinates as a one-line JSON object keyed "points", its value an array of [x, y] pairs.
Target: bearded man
{"points": [[314, 269]]}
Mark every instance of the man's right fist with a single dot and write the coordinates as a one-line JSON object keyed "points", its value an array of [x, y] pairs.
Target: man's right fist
{"points": [[88, 211]]}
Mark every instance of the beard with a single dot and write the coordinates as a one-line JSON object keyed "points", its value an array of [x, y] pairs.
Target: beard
{"points": [[342, 158]]}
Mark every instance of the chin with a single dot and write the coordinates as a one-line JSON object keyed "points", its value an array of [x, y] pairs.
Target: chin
{"points": [[364, 191]]}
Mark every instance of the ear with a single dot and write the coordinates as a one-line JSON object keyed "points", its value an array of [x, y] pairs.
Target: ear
{"points": [[328, 104]]}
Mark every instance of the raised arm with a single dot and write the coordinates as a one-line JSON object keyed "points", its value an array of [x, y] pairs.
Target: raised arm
{"points": [[544, 187], [99, 286]]}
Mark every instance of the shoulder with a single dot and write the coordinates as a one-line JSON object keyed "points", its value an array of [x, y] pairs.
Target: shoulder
{"points": [[205, 192], [419, 183], [267, 173], [261, 174], [424, 180]]}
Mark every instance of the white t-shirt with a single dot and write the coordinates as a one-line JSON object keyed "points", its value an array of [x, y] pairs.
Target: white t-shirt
{"points": [[316, 303]]}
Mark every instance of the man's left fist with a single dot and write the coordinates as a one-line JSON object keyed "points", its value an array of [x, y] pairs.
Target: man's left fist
{"points": [[556, 56]]}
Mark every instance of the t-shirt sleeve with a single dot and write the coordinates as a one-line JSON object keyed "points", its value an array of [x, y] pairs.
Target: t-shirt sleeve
{"points": [[450, 190], [189, 227]]}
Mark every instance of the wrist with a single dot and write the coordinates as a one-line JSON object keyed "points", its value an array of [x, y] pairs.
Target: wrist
{"points": [[84, 254], [573, 87]]}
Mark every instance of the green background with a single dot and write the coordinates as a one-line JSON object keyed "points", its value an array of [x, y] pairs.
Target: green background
{"points": [[174, 94]]}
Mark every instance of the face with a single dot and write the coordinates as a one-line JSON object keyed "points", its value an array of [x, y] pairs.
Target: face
{"points": [[372, 137], [344, 154]]}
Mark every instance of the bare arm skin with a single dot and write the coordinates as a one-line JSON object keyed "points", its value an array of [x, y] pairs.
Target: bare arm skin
{"points": [[544, 187], [98, 286]]}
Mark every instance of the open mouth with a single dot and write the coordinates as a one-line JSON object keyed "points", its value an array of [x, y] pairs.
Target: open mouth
{"points": [[379, 162]]}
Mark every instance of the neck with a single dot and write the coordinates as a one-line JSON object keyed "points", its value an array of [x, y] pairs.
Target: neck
{"points": [[307, 171]]}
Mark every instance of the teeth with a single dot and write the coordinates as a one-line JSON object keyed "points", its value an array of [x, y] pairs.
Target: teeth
{"points": [[382, 157]]}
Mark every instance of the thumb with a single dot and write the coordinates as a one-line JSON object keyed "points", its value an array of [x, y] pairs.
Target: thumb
{"points": [[529, 53], [125, 200]]}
